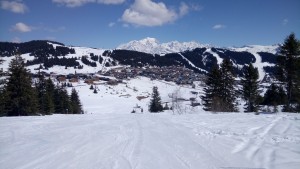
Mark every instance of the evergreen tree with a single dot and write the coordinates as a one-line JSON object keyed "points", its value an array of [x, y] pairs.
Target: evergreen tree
{"points": [[50, 96], [91, 87], [62, 101], [288, 64], [212, 97], [2, 93], [274, 96], [20, 95], [220, 89], [155, 102], [249, 83], [75, 102], [43, 97], [228, 92]]}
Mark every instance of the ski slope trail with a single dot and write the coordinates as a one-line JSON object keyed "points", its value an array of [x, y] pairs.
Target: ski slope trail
{"points": [[148, 141]]}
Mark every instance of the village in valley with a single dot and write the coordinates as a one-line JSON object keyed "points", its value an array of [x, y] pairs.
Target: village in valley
{"points": [[176, 74]]}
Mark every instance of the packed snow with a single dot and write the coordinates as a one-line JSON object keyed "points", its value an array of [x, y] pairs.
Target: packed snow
{"points": [[109, 136]]}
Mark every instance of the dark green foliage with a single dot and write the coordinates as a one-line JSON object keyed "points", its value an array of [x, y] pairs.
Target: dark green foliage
{"points": [[220, 89], [75, 103], [87, 62], [50, 88], [249, 91], [274, 96], [166, 107], [94, 57], [212, 98], [50, 62], [45, 90], [155, 102], [91, 87], [20, 96], [228, 93], [62, 101], [95, 91], [100, 59], [37, 48], [288, 71], [2, 101]]}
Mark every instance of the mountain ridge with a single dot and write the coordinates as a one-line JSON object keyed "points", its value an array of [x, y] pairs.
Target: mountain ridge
{"points": [[200, 58]]}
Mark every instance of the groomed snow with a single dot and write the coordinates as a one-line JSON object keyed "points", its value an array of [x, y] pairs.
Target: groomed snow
{"points": [[108, 136]]}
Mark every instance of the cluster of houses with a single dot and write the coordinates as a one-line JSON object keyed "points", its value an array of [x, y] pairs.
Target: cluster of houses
{"points": [[177, 74]]}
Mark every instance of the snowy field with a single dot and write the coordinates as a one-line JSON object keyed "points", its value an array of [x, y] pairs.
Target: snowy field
{"points": [[108, 136]]}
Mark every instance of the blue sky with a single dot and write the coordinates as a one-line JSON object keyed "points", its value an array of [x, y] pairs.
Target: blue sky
{"points": [[108, 23]]}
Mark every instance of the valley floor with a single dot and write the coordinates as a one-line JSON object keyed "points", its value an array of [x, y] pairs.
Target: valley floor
{"points": [[151, 141]]}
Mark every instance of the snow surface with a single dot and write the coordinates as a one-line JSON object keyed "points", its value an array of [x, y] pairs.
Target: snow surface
{"points": [[152, 45], [254, 50], [108, 136]]}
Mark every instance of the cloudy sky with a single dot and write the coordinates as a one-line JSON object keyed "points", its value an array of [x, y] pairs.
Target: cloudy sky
{"points": [[108, 23]]}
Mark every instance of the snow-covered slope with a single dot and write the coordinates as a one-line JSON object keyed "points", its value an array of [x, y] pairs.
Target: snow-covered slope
{"points": [[254, 50], [152, 45], [111, 137], [192, 55]]}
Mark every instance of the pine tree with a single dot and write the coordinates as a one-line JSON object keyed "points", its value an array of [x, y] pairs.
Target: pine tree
{"points": [[20, 95], [75, 102], [2, 93], [50, 96], [274, 96], [91, 87], [289, 71], [41, 94], [62, 101], [249, 84], [212, 98], [228, 91], [220, 89], [155, 102]]}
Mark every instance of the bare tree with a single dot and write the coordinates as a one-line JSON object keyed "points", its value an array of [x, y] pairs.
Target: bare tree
{"points": [[177, 102]]}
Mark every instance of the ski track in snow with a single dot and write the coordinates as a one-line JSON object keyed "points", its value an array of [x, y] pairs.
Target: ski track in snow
{"points": [[147, 141], [108, 136], [190, 63]]}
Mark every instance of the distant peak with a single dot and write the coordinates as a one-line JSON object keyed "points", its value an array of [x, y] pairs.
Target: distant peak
{"points": [[148, 39], [153, 46]]}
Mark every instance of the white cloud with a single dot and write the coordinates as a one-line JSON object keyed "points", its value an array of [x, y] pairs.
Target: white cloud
{"points": [[77, 3], [14, 6], [219, 26], [16, 40], [149, 13], [21, 27], [183, 9], [111, 24], [285, 22]]}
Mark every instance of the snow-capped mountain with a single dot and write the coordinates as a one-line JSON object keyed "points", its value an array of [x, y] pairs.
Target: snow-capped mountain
{"points": [[55, 56], [153, 46]]}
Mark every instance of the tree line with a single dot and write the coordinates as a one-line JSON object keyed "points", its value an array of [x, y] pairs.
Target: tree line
{"points": [[22, 97], [222, 90]]}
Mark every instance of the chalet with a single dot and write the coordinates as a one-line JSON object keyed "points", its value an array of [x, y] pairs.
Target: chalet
{"points": [[73, 80], [112, 82], [89, 81], [61, 78]]}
